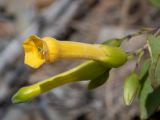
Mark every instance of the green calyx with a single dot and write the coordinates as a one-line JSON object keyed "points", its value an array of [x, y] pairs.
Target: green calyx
{"points": [[115, 56]]}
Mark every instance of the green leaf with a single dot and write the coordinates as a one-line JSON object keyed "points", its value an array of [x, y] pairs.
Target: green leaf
{"points": [[131, 88], [98, 81], [149, 98], [157, 70], [156, 3], [154, 49], [153, 101], [144, 69], [146, 89]]}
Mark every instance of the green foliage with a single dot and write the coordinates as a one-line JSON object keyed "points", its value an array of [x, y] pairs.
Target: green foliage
{"points": [[143, 98], [145, 90], [154, 50], [98, 81], [149, 92], [144, 69], [149, 79], [156, 3], [149, 99]]}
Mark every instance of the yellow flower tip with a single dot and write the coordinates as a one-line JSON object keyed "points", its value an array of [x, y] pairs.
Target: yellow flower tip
{"points": [[34, 54], [26, 94], [39, 51]]}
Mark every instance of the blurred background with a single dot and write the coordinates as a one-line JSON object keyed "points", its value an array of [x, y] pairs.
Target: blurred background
{"points": [[90, 21]]}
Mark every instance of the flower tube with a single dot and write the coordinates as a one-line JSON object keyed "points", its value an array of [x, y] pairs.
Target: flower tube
{"points": [[47, 50]]}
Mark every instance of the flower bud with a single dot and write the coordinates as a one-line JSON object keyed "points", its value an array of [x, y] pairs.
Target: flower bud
{"points": [[86, 71], [26, 94], [131, 88]]}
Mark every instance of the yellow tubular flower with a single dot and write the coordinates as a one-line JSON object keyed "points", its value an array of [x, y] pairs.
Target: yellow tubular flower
{"points": [[39, 51], [48, 50]]}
